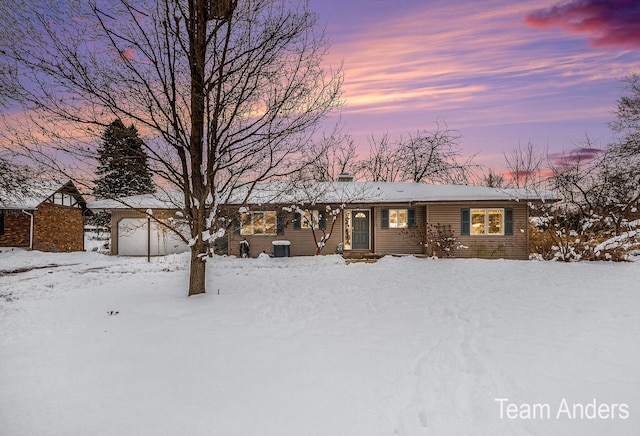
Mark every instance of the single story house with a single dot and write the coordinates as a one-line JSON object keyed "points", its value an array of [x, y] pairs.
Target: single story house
{"points": [[46, 215], [352, 217]]}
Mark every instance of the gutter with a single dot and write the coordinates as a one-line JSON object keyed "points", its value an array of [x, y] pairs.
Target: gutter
{"points": [[30, 229]]}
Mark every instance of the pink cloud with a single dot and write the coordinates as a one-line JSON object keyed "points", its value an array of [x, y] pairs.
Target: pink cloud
{"points": [[609, 23], [128, 54], [520, 174]]}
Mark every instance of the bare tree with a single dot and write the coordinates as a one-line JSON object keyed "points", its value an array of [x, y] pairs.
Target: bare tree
{"points": [[525, 166], [577, 177], [434, 157], [426, 157], [337, 155], [627, 122], [13, 178], [383, 163], [233, 91]]}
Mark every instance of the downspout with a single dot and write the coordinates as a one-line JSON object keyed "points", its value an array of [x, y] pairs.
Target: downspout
{"points": [[30, 229]]}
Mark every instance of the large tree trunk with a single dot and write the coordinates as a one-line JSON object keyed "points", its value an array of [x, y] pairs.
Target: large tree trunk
{"points": [[197, 53], [197, 271]]}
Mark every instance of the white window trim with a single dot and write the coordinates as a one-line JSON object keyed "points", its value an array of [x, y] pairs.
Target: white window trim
{"points": [[406, 218], [486, 221]]}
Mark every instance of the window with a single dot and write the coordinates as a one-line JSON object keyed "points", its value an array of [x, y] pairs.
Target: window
{"points": [[309, 217], [64, 200], [258, 223], [487, 222], [398, 218], [347, 230]]}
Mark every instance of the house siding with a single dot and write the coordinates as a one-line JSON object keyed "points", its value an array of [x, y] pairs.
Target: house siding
{"points": [[488, 247], [58, 228], [398, 241], [302, 242], [383, 241], [16, 229]]}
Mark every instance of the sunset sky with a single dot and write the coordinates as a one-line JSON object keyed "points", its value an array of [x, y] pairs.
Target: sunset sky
{"points": [[502, 72]]}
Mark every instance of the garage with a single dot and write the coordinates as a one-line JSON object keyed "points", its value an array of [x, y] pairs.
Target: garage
{"points": [[142, 237]]}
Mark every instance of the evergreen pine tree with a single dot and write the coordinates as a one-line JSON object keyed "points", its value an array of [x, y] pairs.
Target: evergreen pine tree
{"points": [[123, 167]]}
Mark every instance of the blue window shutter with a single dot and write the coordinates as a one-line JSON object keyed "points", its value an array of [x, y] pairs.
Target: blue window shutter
{"points": [[411, 218], [297, 221], [236, 225], [322, 219], [280, 222], [465, 222], [385, 218], [508, 221]]}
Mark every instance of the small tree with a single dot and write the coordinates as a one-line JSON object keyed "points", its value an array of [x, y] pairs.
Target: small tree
{"points": [[319, 206], [315, 219], [123, 167]]}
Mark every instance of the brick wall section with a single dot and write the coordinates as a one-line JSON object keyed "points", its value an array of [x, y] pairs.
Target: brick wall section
{"points": [[16, 229], [58, 228]]}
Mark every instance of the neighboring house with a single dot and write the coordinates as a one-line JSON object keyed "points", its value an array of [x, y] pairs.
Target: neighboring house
{"points": [[377, 217], [46, 215]]}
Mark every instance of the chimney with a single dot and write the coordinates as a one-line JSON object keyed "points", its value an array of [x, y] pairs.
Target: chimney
{"points": [[344, 177]]}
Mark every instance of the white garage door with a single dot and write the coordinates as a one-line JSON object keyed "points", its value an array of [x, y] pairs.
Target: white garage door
{"points": [[134, 238]]}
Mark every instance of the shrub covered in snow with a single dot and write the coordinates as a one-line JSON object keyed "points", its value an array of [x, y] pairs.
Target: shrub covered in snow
{"points": [[560, 233]]}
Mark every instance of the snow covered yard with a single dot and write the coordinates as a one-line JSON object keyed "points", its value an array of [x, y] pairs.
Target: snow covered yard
{"points": [[99, 345]]}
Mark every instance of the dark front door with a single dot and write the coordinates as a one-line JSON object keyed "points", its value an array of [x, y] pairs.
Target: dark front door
{"points": [[360, 230]]}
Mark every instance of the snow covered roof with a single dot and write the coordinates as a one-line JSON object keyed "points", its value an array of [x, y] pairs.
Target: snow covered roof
{"points": [[339, 192], [387, 192], [160, 200], [32, 194]]}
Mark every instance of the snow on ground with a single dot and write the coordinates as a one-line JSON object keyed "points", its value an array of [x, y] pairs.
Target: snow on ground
{"points": [[99, 345]]}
